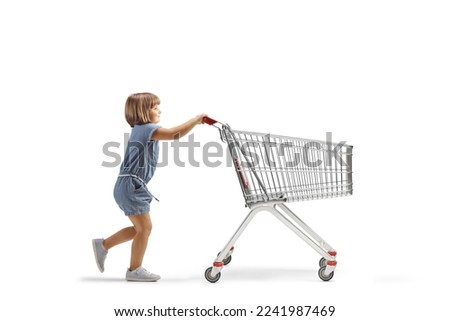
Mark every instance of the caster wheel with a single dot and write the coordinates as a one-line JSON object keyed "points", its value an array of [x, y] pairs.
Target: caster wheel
{"points": [[322, 262], [322, 275], [227, 260], [209, 277]]}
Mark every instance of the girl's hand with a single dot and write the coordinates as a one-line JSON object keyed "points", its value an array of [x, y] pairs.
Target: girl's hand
{"points": [[199, 119]]}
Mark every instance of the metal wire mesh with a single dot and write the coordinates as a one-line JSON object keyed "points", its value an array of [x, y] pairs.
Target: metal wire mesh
{"points": [[273, 167]]}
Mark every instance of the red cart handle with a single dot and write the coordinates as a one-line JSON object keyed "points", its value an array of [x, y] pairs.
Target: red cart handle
{"points": [[209, 120]]}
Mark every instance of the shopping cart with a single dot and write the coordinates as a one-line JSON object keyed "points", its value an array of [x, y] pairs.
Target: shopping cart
{"points": [[273, 170]]}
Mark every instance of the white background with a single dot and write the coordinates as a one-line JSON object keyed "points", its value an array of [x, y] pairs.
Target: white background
{"points": [[375, 74]]}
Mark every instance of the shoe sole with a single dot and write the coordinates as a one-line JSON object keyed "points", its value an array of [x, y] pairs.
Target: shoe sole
{"points": [[96, 257], [142, 280]]}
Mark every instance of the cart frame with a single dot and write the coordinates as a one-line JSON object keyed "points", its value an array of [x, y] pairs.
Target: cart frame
{"points": [[273, 170]]}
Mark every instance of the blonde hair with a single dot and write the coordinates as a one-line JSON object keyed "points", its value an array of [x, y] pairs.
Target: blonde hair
{"points": [[137, 108]]}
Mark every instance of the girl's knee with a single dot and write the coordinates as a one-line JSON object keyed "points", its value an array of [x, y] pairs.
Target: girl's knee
{"points": [[144, 229], [148, 229], [142, 224]]}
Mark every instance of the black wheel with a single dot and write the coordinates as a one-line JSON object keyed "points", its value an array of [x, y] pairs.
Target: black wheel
{"points": [[227, 260], [209, 277], [322, 275], [322, 262]]}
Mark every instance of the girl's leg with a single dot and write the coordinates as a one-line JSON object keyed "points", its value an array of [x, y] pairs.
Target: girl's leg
{"points": [[121, 236], [101, 246], [143, 227]]}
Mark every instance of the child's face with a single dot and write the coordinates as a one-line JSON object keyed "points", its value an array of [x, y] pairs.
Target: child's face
{"points": [[155, 114]]}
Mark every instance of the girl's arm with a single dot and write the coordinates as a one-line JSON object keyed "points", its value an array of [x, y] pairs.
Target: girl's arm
{"points": [[177, 131]]}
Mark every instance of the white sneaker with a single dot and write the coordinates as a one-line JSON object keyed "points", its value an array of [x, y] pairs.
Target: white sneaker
{"points": [[99, 253], [142, 275]]}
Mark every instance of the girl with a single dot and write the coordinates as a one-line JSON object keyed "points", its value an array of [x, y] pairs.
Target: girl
{"points": [[130, 192]]}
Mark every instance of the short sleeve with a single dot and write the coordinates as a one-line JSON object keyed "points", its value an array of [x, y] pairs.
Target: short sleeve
{"points": [[151, 129]]}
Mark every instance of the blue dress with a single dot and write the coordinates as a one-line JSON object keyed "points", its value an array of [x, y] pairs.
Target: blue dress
{"points": [[136, 170]]}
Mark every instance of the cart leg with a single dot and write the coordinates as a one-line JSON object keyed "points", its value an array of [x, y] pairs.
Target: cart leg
{"points": [[299, 232], [229, 246], [323, 248], [308, 230], [328, 261], [212, 274]]}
